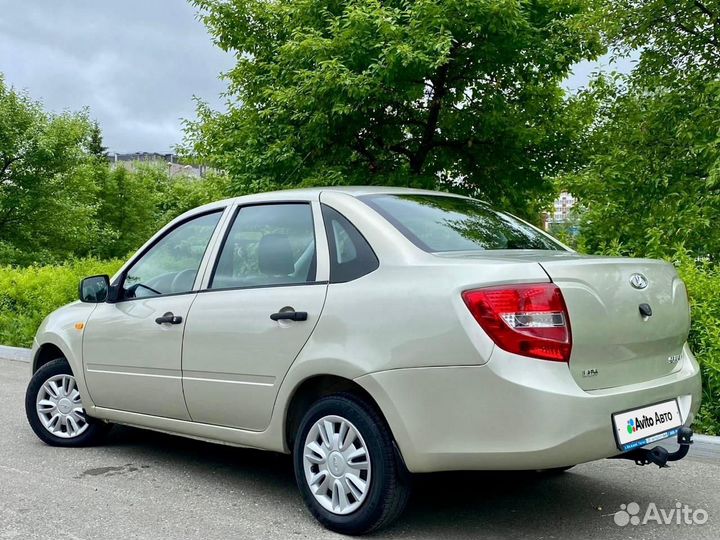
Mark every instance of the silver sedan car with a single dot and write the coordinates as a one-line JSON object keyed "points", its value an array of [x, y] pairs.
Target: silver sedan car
{"points": [[373, 333]]}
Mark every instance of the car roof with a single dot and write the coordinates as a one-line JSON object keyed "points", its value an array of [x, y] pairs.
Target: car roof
{"points": [[314, 193]]}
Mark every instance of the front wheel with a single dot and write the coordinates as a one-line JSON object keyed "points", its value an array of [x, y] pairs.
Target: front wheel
{"points": [[55, 411], [346, 466]]}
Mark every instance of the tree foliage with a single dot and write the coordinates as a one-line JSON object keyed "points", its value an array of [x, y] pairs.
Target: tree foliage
{"points": [[678, 39], [60, 198], [457, 93], [652, 178], [45, 208], [134, 204], [95, 144]]}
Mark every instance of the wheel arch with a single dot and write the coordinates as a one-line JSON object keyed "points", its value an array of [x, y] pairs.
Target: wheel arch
{"points": [[47, 352], [309, 390], [51, 346]]}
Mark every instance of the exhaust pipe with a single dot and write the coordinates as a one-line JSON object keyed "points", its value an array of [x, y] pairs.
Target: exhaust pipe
{"points": [[660, 455]]}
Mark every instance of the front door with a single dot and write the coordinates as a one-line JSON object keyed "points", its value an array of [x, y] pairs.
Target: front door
{"points": [[132, 348], [261, 305]]}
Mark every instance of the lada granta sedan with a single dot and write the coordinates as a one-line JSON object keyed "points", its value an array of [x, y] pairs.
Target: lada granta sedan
{"points": [[373, 333]]}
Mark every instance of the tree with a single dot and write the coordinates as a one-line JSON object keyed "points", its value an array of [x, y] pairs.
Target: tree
{"points": [[455, 93], [60, 198], [134, 203], [184, 193], [126, 212], [95, 142], [652, 180], [678, 39], [46, 207]]}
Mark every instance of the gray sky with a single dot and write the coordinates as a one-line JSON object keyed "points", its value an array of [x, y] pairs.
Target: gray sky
{"points": [[135, 63]]}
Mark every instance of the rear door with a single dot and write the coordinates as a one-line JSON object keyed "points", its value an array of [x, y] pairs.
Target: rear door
{"points": [[261, 303]]}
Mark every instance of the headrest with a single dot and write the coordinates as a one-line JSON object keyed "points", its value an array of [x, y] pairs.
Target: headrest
{"points": [[275, 256]]}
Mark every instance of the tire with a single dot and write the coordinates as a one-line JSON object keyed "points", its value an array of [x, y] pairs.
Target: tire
{"points": [[386, 479], [88, 431]]}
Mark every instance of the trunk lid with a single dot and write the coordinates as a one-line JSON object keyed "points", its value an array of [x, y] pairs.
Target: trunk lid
{"points": [[614, 344]]}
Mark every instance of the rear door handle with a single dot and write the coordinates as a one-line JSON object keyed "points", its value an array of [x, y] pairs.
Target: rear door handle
{"points": [[289, 316], [169, 318]]}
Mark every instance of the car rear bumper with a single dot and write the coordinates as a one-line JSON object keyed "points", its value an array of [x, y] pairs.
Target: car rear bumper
{"points": [[513, 413]]}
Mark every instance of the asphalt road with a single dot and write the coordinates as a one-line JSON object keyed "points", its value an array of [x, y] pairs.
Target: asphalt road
{"points": [[148, 485]]}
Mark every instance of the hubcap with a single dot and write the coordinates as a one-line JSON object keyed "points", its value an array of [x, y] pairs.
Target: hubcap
{"points": [[337, 465], [59, 407]]}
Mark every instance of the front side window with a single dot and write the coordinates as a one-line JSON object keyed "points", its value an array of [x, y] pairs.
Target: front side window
{"points": [[172, 264], [441, 224], [271, 244]]}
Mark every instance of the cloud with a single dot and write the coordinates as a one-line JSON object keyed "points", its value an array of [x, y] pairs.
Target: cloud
{"points": [[135, 64]]}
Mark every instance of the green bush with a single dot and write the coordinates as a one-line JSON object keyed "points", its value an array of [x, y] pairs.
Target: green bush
{"points": [[28, 295], [703, 282]]}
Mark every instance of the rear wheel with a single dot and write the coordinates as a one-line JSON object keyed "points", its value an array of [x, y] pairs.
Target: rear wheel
{"points": [[55, 411], [346, 466]]}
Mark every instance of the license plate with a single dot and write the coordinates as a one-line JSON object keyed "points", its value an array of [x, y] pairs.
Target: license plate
{"points": [[638, 427]]}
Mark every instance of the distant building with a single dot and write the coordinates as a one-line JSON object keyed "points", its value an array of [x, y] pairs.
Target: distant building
{"points": [[171, 161], [561, 210]]}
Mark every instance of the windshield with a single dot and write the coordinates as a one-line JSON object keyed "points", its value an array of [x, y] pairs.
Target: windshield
{"points": [[441, 224]]}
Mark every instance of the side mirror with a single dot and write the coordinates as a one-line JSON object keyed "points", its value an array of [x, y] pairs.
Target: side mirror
{"points": [[94, 289]]}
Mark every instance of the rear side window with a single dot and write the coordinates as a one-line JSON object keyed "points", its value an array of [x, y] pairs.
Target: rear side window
{"points": [[268, 245], [351, 256], [440, 224]]}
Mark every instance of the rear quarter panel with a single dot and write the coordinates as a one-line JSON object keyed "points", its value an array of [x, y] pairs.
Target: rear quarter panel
{"points": [[399, 317]]}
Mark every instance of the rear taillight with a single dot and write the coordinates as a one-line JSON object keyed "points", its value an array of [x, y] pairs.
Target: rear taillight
{"points": [[530, 319]]}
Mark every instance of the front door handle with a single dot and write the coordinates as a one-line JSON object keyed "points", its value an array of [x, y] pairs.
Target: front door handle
{"points": [[289, 316], [169, 318]]}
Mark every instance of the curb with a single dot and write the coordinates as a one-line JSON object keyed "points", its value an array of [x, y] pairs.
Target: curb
{"points": [[17, 354], [706, 439], [706, 448]]}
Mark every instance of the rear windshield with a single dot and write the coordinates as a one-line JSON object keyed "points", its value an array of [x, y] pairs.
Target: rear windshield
{"points": [[440, 224]]}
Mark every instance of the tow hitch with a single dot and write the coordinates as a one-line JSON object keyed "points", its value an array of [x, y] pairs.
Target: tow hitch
{"points": [[659, 455]]}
